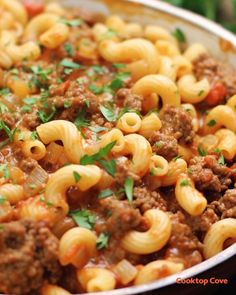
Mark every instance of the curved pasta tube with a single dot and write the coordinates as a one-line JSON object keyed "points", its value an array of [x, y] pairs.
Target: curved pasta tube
{"points": [[83, 177], [167, 48], [192, 91], [53, 290], [17, 9], [182, 65], [175, 168], [13, 193], [55, 8], [154, 238], [160, 85], [77, 246], [129, 123], [192, 111], [184, 152], [39, 25], [167, 68], [227, 143], [141, 55], [66, 132], [38, 210], [194, 51], [6, 212], [156, 270], [232, 102], [140, 149], [5, 60], [94, 279], [218, 233], [188, 197], [34, 149], [221, 115], [149, 124], [55, 36], [154, 33], [158, 166]]}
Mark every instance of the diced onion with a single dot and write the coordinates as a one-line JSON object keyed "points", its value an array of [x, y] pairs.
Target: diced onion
{"points": [[125, 271], [35, 181], [54, 152]]}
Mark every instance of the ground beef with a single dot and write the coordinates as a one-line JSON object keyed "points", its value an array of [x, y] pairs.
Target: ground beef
{"points": [[8, 119], [183, 246], [122, 217], [164, 145], [123, 171], [28, 257], [206, 66], [144, 199], [126, 98], [31, 120], [225, 207], [178, 123], [208, 174]]}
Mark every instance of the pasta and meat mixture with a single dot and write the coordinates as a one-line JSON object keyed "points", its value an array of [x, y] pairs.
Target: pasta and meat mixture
{"points": [[117, 160]]}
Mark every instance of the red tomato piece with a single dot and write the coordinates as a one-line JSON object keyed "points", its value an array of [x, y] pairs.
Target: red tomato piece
{"points": [[33, 7], [216, 94]]}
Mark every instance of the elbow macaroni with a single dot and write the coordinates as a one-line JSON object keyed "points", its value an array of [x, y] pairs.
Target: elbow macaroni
{"points": [[154, 238]]}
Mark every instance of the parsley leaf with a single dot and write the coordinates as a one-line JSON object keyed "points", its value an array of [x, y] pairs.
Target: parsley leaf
{"points": [[179, 35], [30, 100], [69, 49], [3, 108], [70, 64], [109, 166], [5, 170], [108, 113], [119, 65], [102, 241], [42, 199], [76, 176], [10, 133], [184, 182], [71, 23], [105, 193], [129, 185], [98, 69], [176, 158], [221, 160], [4, 92], [103, 152], [34, 135], [2, 199], [42, 73], [108, 34], [83, 218], [81, 121], [97, 129], [211, 123], [46, 117], [201, 151], [96, 89]]}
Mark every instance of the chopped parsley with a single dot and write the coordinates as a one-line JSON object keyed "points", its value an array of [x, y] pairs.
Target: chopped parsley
{"points": [[184, 182], [217, 150], [10, 133], [5, 170], [119, 80], [97, 129], [67, 104], [43, 200], [158, 144], [42, 73], [211, 123], [201, 151], [200, 92], [3, 108], [129, 185], [26, 109], [29, 100], [83, 218], [81, 120], [221, 160], [105, 193], [34, 135], [4, 92], [98, 69], [69, 49], [179, 35], [108, 165], [108, 35], [176, 158], [76, 176], [102, 241], [46, 117], [71, 23], [70, 64], [96, 89], [152, 172], [108, 113], [119, 65], [2, 199]]}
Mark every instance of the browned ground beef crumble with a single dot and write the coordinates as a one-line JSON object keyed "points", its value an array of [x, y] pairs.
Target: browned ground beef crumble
{"points": [[208, 67], [28, 257]]}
